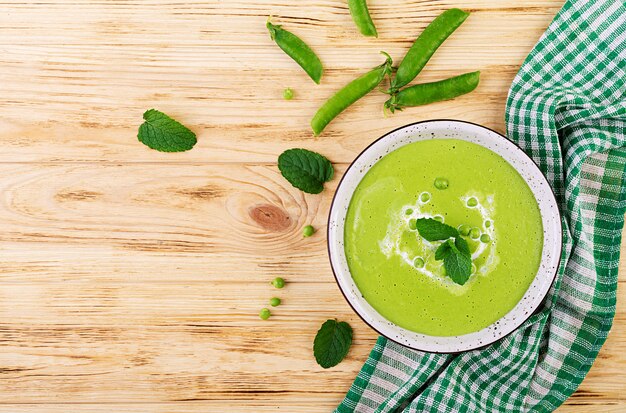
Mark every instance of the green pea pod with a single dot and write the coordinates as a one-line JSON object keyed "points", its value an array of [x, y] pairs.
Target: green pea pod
{"points": [[425, 46], [297, 50], [349, 94], [426, 93], [362, 19]]}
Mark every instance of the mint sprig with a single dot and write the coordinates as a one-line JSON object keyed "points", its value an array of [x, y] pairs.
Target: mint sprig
{"points": [[332, 343], [458, 265], [443, 250], [454, 251], [164, 134], [306, 170], [462, 246]]}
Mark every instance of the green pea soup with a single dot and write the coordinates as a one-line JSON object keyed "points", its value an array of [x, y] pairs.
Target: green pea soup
{"points": [[468, 187]]}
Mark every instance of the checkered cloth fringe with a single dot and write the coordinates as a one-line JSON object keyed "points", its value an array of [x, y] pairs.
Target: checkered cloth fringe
{"points": [[567, 110]]}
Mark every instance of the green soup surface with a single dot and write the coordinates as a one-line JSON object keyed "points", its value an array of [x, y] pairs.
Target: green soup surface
{"points": [[460, 183]]}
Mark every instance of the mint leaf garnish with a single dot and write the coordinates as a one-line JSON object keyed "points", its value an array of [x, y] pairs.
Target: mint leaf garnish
{"points": [[458, 266], [433, 230], [443, 250], [332, 343], [305, 170], [164, 134], [455, 253], [462, 246]]}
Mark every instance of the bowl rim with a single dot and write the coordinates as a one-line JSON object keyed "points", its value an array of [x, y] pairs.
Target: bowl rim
{"points": [[532, 310]]}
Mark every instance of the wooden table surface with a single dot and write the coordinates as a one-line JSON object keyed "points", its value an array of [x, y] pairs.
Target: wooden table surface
{"points": [[132, 279]]}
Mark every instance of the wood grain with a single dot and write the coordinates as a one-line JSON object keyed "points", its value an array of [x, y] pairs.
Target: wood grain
{"points": [[76, 88], [132, 280]]}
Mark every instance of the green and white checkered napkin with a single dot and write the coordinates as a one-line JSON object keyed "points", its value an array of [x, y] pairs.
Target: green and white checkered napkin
{"points": [[567, 110]]}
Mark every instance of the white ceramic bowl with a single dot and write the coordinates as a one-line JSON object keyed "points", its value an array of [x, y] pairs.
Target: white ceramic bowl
{"points": [[447, 129]]}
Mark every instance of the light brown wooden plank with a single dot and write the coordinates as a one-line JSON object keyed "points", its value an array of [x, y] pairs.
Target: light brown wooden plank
{"points": [[144, 223], [221, 307], [75, 89], [304, 404], [214, 23], [110, 303], [220, 352], [243, 359]]}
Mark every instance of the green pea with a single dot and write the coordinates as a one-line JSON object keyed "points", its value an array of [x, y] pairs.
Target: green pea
{"points": [[409, 211], [438, 218], [297, 50], [361, 16], [278, 282], [265, 314], [475, 233], [349, 94], [308, 231], [288, 94], [465, 229], [425, 46], [442, 183], [485, 238], [425, 93], [275, 301], [487, 224], [418, 262], [472, 202], [425, 197], [412, 224]]}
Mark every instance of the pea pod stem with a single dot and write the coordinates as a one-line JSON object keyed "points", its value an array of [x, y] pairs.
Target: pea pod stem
{"points": [[425, 93], [361, 16], [425, 46], [297, 50], [349, 94]]}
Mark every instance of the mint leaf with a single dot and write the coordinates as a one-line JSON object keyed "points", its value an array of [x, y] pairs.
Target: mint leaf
{"points": [[164, 134], [458, 266], [332, 343], [462, 246], [443, 250], [456, 255], [433, 230], [305, 170]]}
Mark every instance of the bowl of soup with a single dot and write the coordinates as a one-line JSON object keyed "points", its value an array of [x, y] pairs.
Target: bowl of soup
{"points": [[468, 177]]}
